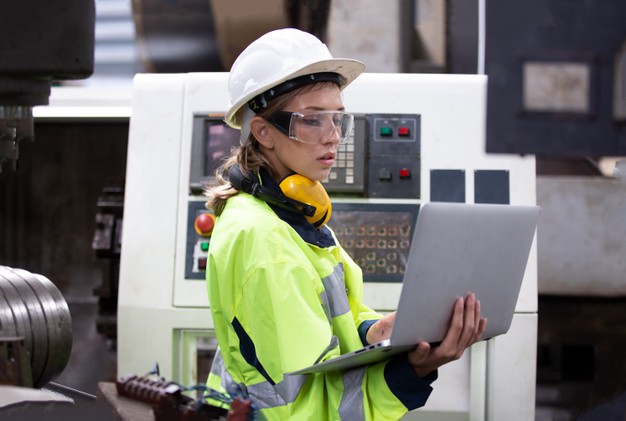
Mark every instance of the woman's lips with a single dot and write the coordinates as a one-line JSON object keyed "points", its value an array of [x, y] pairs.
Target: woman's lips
{"points": [[328, 159]]}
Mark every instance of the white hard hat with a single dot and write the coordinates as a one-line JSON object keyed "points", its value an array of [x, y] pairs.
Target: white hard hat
{"points": [[277, 57]]}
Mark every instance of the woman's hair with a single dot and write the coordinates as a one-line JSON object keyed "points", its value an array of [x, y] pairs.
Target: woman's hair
{"points": [[248, 156]]}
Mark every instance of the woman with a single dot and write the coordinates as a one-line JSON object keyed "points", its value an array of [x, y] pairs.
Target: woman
{"points": [[282, 291]]}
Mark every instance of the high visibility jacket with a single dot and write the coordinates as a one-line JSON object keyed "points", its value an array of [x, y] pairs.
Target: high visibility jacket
{"points": [[284, 295]]}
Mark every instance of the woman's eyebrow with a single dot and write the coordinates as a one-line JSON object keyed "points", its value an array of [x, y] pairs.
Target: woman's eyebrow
{"points": [[313, 108]]}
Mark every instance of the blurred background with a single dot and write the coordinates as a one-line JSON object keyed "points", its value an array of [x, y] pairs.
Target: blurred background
{"points": [[557, 90]]}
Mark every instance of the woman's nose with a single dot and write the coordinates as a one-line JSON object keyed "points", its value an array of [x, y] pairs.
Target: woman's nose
{"points": [[334, 135]]}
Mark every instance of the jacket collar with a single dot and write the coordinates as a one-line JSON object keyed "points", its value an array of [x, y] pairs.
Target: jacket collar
{"points": [[320, 237]]}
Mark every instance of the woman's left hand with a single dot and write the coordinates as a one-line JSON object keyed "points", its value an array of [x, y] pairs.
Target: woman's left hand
{"points": [[381, 330]]}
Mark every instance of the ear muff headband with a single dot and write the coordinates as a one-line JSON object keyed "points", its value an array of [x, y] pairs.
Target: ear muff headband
{"points": [[259, 102], [251, 186]]}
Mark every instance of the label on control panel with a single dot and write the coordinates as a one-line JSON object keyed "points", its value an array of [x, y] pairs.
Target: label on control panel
{"points": [[394, 128]]}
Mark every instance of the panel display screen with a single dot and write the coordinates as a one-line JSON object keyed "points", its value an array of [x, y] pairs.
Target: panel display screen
{"points": [[219, 139], [212, 143]]}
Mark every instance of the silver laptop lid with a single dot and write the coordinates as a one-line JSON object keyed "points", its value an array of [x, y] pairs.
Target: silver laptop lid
{"points": [[458, 248]]}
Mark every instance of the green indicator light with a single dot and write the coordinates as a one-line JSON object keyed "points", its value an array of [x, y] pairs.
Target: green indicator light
{"points": [[385, 131], [204, 246]]}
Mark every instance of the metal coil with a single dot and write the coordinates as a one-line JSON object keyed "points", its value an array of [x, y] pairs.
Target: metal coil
{"points": [[32, 307]]}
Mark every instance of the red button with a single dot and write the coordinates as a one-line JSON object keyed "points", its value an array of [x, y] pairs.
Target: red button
{"points": [[202, 263], [204, 224], [405, 173], [404, 131]]}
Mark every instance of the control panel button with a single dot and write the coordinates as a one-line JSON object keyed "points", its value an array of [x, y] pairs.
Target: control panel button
{"points": [[202, 263], [385, 131], [204, 224], [384, 174], [404, 131], [405, 173]]}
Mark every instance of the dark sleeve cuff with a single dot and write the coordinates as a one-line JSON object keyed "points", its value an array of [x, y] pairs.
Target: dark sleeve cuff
{"points": [[410, 389], [363, 328]]}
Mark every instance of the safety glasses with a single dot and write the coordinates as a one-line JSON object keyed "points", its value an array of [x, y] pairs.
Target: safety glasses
{"points": [[314, 127]]}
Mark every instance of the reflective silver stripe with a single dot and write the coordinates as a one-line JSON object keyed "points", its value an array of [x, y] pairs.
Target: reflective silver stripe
{"points": [[264, 395], [218, 363], [326, 306], [351, 405], [335, 287], [218, 368]]}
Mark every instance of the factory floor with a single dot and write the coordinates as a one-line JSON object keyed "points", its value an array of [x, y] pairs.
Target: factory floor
{"points": [[93, 360]]}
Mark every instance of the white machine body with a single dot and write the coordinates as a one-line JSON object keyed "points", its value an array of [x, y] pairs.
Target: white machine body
{"points": [[163, 315]]}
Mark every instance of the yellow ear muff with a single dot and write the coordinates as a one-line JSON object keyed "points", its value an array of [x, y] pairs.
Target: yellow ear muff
{"points": [[311, 192]]}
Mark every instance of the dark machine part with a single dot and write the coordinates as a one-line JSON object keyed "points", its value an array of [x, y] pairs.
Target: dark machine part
{"points": [[202, 36], [168, 401], [309, 15], [34, 310], [176, 36], [107, 243], [40, 41], [14, 362], [555, 90]]}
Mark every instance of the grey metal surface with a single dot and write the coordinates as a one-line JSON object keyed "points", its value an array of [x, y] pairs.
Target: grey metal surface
{"points": [[7, 323], [20, 314], [60, 323], [581, 238], [57, 323]]}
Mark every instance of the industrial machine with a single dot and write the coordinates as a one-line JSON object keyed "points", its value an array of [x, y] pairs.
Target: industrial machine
{"points": [[418, 138], [39, 42]]}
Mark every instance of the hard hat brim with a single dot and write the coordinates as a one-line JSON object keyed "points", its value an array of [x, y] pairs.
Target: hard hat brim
{"points": [[348, 69]]}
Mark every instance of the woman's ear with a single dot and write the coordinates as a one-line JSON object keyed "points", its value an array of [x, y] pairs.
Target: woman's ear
{"points": [[260, 129]]}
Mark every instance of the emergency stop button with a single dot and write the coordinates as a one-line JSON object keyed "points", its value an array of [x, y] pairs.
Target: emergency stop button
{"points": [[204, 224]]}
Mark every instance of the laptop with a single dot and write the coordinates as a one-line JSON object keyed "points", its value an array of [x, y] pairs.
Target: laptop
{"points": [[456, 248]]}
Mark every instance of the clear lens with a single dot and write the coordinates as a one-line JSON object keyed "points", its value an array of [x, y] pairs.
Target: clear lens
{"points": [[320, 126], [315, 127]]}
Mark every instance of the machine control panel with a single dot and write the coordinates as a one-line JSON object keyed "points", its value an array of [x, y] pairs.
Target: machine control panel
{"points": [[393, 156], [381, 159], [376, 235], [199, 228]]}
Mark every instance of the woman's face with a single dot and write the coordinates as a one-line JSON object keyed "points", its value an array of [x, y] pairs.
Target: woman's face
{"points": [[312, 160]]}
